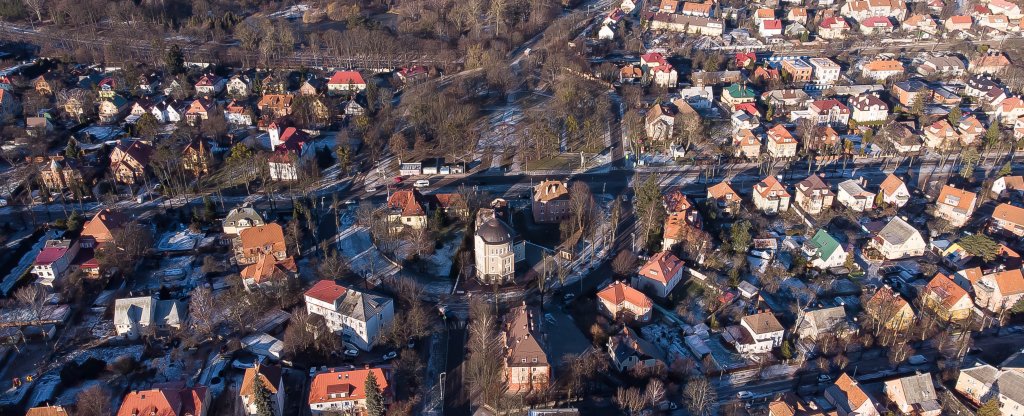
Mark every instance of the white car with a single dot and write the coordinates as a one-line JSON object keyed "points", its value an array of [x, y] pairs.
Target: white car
{"points": [[422, 183], [743, 395], [351, 353], [390, 356]]}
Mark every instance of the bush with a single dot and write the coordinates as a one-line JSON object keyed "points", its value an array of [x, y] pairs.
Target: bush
{"points": [[74, 373]]}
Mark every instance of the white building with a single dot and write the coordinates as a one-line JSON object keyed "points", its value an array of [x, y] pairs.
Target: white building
{"points": [[360, 316], [826, 71], [854, 196], [240, 218], [132, 316], [496, 248], [757, 334], [53, 260]]}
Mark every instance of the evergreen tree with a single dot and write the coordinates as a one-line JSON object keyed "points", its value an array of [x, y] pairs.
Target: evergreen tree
{"points": [[175, 60], [374, 398], [740, 234], [787, 350], [990, 408], [1006, 170], [261, 396], [954, 116], [72, 151]]}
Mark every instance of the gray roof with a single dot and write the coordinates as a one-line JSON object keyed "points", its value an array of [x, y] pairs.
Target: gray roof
{"points": [[1011, 385], [984, 373], [138, 310], [824, 319], [244, 213], [852, 187], [917, 388], [897, 231], [169, 312], [361, 305], [491, 229]]}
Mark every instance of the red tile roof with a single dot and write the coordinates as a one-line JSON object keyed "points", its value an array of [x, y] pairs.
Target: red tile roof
{"points": [[351, 383], [619, 293], [661, 267], [326, 291], [345, 78]]}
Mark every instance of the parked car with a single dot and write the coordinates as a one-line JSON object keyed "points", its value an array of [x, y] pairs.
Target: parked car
{"points": [[398, 179], [351, 353], [422, 183], [371, 189], [390, 356], [743, 395], [824, 379]]}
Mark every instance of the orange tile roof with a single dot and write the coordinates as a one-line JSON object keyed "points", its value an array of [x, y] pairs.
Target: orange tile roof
{"points": [[1010, 282], [721, 190], [780, 135], [550, 190], [408, 201], [945, 290], [676, 201], [619, 293], [345, 78], [1009, 213], [270, 375], [661, 267], [351, 383], [47, 411], [745, 137], [973, 274], [326, 291], [268, 268], [958, 198], [267, 238], [854, 394], [770, 184], [102, 225], [884, 65], [166, 401], [891, 184]]}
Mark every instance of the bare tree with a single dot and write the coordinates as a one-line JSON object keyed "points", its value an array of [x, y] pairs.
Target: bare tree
{"points": [[32, 298], [630, 399], [655, 391], [700, 396], [93, 401], [624, 263], [484, 367], [202, 312]]}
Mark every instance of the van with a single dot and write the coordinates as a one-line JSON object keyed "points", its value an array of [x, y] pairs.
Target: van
{"points": [[422, 183]]}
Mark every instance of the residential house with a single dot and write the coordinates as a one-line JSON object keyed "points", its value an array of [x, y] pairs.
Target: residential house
{"points": [[894, 191], [888, 309], [1000, 290], [129, 160], [922, 25], [909, 91], [62, 174], [769, 28], [948, 65], [686, 24], [994, 22], [780, 143], [864, 9], [813, 195], [898, 240], [620, 300], [346, 81], [770, 196], [47, 410], [979, 86], [46, 84], [817, 323], [100, 229], [747, 144], [238, 86], [1006, 185], [940, 135], [238, 114], [164, 112], [664, 76], [170, 399], [268, 272], [198, 111], [823, 251], [992, 63], [745, 117], [497, 248], [417, 73], [54, 260], [1010, 110], [786, 99], [407, 209], [240, 218], [339, 391], [291, 149], [133, 316], [946, 299], [977, 383], [797, 15], [660, 275], [668, 6], [826, 71], [797, 70], [828, 112], [902, 137], [270, 376], [738, 94], [1008, 220], [550, 202], [914, 395], [659, 122], [833, 28], [108, 110], [882, 69], [756, 334], [853, 195], [631, 74], [353, 108], [765, 76], [702, 9], [628, 351], [1006, 8], [1010, 388], [210, 85], [970, 129], [311, 87], [868, 109], [196, 156], [359, 316], [876, 25], [955, 205], [267, 239], [727, 201], [275, 105], [526, 363]]}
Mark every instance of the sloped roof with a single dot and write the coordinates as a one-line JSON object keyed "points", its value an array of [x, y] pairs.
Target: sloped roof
{"points": [[813, 183], [849, 394], [521, 339], [269, 375], [408, 201], [352, 383], [1009, 213], [345, 78], [762, 323], [770, 184], [917, 389], [824, 243], [661, 267], [47, 411], [897, 231], [620, 292], [550, 190], [957, 198], [721, 190], [263, 237], [948, 292], [891, 184]]}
